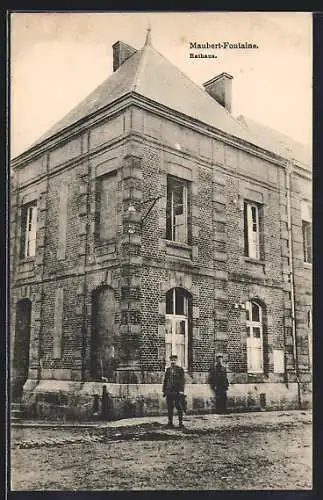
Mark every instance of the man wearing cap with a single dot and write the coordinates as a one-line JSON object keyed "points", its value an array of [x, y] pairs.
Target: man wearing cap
{"points": [[219, 384], [173, 389]]}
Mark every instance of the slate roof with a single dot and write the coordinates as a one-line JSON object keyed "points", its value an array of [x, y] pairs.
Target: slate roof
{"points": [[276, 141], [150, 74]]}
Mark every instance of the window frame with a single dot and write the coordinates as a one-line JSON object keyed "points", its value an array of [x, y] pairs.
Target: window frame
{"points": [[253, 244], [171, 207], [29, 216], [307, 240], [252, 345], [100, 239], [174, 319], [309, 324]]}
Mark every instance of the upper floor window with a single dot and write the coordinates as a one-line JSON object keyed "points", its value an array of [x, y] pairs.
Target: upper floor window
{"points": [[306, 215], [106, 207], [254, 325], [28, 230], [307, 240], [253, 230], [177, 210]]}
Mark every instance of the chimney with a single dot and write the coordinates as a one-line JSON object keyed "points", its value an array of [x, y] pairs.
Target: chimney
{"points": [[121, 52], [220, 88]]}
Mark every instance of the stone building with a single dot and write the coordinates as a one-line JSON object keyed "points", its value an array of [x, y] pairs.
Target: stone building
{"points": [[149, 220]]}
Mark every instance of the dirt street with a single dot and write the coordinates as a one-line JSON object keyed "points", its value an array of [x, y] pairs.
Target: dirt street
{"points": [[229, 457]]}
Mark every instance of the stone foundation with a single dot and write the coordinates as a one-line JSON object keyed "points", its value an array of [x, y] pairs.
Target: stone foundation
{"points": [[65, 400]]}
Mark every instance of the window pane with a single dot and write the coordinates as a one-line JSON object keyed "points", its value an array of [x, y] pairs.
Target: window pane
{"points": [[176, 210], [178, 198], [254, 219], [249, 358], [28, 230], [180, 228], [256, 332], [168, 326], [181, 355], [180, 327], [248, 331], [169, 302], [179, 302], [257, 359], [169, 223], [168, 349], [251, 232], [255, 315], [254, 356], [248, 305]]}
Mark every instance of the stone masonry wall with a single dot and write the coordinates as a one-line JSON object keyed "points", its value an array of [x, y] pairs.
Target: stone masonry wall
{"points": [[212, 267]]}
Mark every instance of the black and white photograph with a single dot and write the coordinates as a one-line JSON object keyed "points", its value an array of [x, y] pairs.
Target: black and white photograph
{"points": [[160, 251]]}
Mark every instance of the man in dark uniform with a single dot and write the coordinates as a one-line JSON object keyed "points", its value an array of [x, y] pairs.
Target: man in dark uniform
{"points": [[219, 384], [173, 389]]}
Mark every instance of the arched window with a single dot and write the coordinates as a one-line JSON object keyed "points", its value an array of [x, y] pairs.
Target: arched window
{"points": [[177, 325], [254, 324]]}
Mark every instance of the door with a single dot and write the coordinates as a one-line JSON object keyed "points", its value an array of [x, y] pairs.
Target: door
{"points": [[254, 337], [176, 338], [21, 347]]}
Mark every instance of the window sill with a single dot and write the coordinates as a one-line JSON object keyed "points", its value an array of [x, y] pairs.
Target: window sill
{"points": [[254, 261], [176, 249], [307, 265], [178, 244], [105, 247], [24, 260]]}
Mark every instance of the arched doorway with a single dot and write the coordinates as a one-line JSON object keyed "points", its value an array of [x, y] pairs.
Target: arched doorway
{"points": [[103, 356], [255, 339], [21, 347]]}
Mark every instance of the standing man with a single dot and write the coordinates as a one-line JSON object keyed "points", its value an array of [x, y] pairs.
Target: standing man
{"points": [[219, 384], [173, 389]]}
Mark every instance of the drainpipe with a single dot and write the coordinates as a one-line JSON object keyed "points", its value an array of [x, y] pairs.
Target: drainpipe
{"points": [[86, 217], [289, 169]]}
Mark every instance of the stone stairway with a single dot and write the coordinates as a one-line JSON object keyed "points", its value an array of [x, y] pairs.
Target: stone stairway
{"points": [[16, 413]]}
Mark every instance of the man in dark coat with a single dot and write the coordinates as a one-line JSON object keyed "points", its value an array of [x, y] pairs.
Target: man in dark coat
{"points": [[219, 384], [173, 389]]}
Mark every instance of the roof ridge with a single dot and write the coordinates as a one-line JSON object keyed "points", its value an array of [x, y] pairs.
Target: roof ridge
{"points": [[139, 68]]}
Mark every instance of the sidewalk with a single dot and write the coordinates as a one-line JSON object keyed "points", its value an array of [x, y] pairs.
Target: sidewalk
{"points": [[27, 434]]}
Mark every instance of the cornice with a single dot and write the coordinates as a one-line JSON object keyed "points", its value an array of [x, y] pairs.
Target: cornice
{"points": [[72, 131], [132, 98]]}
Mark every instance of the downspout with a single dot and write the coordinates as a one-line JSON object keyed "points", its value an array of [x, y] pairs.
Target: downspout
{"points": [[86, 139], [289, 169]]}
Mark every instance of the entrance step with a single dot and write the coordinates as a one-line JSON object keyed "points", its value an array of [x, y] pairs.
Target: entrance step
{"points": [[17, 412]]}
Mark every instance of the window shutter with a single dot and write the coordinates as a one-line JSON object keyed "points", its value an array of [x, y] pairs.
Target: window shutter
{"points": [[261, 233], [250, 232], [97, 210], [32, 231], [23, 232], [246, 245]]}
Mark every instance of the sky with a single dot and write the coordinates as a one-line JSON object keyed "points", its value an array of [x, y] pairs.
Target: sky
{"points": [[57, 59]]}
